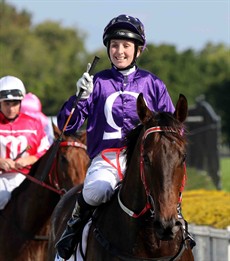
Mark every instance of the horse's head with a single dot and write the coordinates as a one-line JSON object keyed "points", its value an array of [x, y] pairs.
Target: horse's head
{"points": [[72, 158], [163, 163]]}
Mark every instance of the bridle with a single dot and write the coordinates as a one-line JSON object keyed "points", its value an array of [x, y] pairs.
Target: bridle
{"points": [[148, 206], [53, 174], [73, 144], [53, 179], [149, 202]]}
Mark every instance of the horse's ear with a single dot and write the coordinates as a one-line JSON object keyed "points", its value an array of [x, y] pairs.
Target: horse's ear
{"points": [[181, 111], [56, 131], [143, 111], [83, 137]]}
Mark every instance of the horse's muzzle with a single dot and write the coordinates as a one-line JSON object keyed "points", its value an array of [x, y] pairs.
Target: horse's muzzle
{"points": [[166, 230]]}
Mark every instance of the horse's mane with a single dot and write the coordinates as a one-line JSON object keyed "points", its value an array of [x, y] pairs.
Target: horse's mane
{"points": [[75, 135], [130, 142], [164, 119]]}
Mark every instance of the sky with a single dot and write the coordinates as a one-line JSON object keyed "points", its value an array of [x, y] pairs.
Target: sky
{"points": [[183, 23]]}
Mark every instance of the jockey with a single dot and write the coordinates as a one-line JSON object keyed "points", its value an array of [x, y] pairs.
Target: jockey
{"points": [[109, 105], [22, 138], [31, 105]]}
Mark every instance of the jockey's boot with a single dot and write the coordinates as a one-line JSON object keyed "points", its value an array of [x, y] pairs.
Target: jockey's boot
{"points": [[73, 232]]}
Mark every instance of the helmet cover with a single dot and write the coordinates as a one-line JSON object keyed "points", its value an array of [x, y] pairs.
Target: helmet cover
{"points": [[125, 27], [11, 88]]}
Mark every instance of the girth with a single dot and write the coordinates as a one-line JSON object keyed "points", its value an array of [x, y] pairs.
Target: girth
{"points": [[125, 257]]}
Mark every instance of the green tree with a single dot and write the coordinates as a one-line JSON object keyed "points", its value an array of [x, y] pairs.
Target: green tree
{"points": [[48, 58], [215, 65], [219, 97], [179, 71], [14, 28], [64, 51]]}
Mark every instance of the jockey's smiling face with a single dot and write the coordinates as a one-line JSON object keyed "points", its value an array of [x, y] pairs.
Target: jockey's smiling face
{"points": [[121, 52], [10, 108]]}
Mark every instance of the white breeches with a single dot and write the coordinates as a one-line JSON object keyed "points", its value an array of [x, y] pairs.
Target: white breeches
{"points": [[102, 178], [8, 182]]}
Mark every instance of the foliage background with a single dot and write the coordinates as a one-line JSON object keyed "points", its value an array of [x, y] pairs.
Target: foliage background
{"points": [[49, 58]]}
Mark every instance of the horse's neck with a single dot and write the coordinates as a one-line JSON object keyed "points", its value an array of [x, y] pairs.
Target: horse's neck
{"points": [[132, 191]]}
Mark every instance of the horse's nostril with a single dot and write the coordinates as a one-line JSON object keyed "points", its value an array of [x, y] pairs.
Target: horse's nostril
{"points": [[157, 224], [175, 229], [166, 230]]}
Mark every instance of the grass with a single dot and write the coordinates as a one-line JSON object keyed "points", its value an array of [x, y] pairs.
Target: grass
{"points": [[197, 179], [200, 180], [225, 173]]}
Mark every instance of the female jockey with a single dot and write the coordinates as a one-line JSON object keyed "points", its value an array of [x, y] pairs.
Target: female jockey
{"points": [[109, 105], [22, 138]]}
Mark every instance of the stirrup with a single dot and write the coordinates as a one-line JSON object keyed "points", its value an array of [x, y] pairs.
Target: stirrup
{"points": [[67, 244], [71, 236]]}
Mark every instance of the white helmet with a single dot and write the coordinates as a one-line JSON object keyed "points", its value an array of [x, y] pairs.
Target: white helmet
{"points": [[11, 88]]}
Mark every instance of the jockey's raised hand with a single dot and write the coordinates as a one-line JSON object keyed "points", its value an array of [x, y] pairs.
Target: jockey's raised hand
{"points": [[85, 83]]}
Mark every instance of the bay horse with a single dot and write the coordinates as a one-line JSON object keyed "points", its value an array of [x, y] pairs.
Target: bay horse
{"points": [[24, 223], [140, 222]]}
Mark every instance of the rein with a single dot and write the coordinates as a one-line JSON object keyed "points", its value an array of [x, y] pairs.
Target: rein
{"points": [[55, 188], [55, 181], [43, 184]]}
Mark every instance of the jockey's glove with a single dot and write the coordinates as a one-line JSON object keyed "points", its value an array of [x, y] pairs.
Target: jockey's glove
{"points": [[85, 83]]}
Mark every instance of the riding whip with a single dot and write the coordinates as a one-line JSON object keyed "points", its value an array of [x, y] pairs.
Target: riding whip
{"points": [[54, 148]]}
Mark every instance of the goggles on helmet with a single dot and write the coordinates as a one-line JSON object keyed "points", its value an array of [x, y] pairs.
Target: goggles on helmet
{"points": [[13, 94]]}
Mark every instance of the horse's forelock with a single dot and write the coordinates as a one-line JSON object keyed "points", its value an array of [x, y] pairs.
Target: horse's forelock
{"points": [[166, 119], [163, 119]]}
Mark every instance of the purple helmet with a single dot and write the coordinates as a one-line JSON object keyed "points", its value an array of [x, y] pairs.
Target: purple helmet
{"points": [[125, 27]]}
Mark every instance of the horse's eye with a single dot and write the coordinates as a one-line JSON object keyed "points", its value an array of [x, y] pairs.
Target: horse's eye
{"points": [[184, 157], [64, 159], [146, 159]]}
